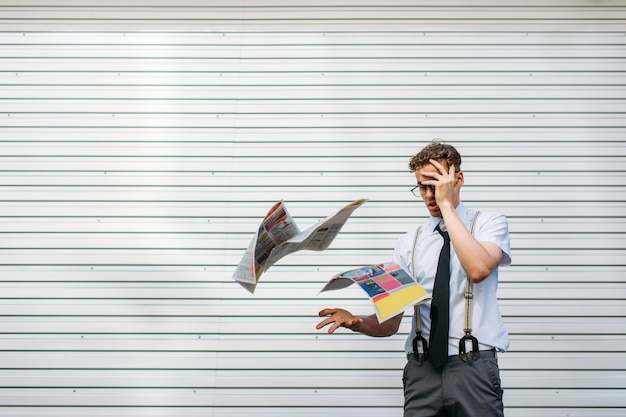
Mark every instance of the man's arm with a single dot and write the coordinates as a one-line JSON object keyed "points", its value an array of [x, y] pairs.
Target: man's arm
{"points": [[478, 259], [368, 325]]}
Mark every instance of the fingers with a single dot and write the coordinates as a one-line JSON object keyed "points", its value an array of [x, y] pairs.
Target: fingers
{"points": [[334, 327], [324, 323], [331, 320], [327, 312], [337, 318], [442, 170], [437, 165]]}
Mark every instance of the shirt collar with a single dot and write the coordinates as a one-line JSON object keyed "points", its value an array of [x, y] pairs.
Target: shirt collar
{"points": [[461, 210]]}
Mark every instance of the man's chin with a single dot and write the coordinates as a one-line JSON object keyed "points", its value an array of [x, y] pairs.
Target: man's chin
{"points": [[434, 211]]}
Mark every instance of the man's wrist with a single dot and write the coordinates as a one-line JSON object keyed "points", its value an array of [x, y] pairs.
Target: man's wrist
{"points": [[356, 326]]}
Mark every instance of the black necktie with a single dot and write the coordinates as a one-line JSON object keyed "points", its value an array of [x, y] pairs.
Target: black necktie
{"points": [[440, 306]]}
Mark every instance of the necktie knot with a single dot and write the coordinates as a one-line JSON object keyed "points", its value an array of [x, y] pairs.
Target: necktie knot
{"points": [[444, 234]]}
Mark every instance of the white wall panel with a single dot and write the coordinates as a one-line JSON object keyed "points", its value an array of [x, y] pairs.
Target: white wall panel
{"points": [[141, 143]]}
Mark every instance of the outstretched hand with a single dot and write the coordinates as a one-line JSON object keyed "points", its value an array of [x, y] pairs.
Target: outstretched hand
{"points": [[338, 318]]}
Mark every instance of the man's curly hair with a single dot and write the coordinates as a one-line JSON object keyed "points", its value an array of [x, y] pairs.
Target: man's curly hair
{"points": [[438, 151]]}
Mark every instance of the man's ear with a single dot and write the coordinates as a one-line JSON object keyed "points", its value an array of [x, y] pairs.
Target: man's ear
{"points": [[460, 180]]}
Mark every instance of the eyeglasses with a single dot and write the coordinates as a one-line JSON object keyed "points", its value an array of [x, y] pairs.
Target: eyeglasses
{"points": [[420, 189]]}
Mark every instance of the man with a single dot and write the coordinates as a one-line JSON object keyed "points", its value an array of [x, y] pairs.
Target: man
{"points": [[439, 381]]}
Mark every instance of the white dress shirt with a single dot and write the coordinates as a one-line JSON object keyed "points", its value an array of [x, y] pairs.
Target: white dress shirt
{"points": [[487, 325]]}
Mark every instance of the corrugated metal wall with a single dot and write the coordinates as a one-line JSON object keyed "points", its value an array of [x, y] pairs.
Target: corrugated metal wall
{"points": [[142, 142]]}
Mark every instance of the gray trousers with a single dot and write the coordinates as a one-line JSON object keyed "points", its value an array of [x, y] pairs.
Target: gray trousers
{"points": [[458, 389]]}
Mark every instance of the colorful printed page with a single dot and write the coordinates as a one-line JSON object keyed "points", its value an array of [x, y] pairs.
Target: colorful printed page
{"points": [[389, 287]]}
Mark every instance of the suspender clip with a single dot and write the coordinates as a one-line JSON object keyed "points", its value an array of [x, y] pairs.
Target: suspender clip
{"points": [[475, 352], [420, 339]]}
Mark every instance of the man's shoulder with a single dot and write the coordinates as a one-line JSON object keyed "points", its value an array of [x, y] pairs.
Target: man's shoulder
{"points": [[490, 216], [408, 237], [482, 215]]}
